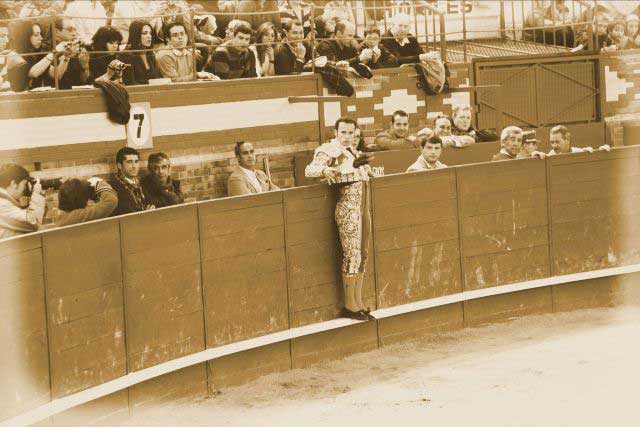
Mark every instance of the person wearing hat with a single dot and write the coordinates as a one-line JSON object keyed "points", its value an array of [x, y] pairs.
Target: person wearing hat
{"points": [[529, 147]]}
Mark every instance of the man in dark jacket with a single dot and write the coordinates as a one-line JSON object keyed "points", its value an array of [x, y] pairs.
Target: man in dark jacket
{"points": [[159, 188], [380, 56], [401, 43], [233, 59], [343, 46], [291, 55], [125, 183]]}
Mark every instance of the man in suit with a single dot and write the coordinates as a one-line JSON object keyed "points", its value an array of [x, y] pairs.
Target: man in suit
{"points": [[246, 179]]}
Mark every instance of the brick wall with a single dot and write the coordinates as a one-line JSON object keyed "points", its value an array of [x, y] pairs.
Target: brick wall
{"points": [[620, 97]]}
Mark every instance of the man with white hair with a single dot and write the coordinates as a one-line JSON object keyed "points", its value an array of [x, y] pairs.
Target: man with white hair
{"points": [[402, 44], [510, 143]]}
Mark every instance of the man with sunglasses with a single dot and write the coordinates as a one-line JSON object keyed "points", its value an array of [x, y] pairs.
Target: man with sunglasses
{"points": [[246, 179], [73, 58]]}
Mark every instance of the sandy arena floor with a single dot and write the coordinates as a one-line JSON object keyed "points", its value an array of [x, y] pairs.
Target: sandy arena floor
{"points": [[570, 369]]}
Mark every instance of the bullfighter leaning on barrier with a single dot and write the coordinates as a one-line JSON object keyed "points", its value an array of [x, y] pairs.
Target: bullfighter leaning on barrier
{"points": [[339, 162]]}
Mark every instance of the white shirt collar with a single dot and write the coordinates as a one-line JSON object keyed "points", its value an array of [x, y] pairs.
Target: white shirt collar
{"points": [[182, 52], [504, 151], [253, 178], [401, 42]]}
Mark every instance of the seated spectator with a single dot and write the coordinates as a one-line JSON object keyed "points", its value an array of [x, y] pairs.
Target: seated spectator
{"points": [[340, 9], [246, 179], [260, 12], [633, 31], [106, 39], [73, 58], [264, 51], [4, 56], [205, 27], [462, 125], [33, 9], [380, 57], [560, 140], [510, 142], [397, 137], [143, 64], [292, 54], [74, 196], [171, 11], [529, 146], [125, 12], [325, 27], [617, 36], [158, 187], [403, 45], [430, 157], [30, 68], [177, 63], [233, 59], [343, 48], [296, 10], [15, 184], [87, 16], [126, 184], [442, 129]]}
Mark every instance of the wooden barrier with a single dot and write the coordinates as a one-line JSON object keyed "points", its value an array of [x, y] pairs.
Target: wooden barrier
{"points": [[454, 247]]}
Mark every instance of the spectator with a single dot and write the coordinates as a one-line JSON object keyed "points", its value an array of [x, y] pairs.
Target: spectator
{"points": [[127, 11], [177, 63], [4, 55], [324, 27], [35, 8], [442, 129], [401, 43], [511, 143], [30, 69], [462, 125], [205, 27], [264, 51], [560, 140], [171, 11], [258, 11], [73, 62], [87, 16], [7, 10], [233, 59], [343, 48], [292, 54], [106, 39], [74, 196], [158, 187], [529, 146], [340, 9], [15, 184], [143, 64], [430, 157], [397, 137], [296, 10], [246, 179], [633, 31], [380, 56], [617, 36], [126, 184]]}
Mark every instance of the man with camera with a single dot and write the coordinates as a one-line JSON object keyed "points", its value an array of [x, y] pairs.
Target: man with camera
{"points": [[17, 216], [73, 58]]}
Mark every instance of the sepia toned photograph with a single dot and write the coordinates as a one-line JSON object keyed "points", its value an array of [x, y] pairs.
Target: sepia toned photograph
{"points": [[319, 213]]}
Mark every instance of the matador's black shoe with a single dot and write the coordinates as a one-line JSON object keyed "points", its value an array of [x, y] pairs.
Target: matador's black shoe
{"points": [[367, 312], [357, 315]]}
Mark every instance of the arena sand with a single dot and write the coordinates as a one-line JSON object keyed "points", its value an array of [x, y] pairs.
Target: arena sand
{"points": [[570, 369]]}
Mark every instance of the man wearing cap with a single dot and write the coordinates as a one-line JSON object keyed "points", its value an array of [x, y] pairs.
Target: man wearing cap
{"points": [[529, 146], [560, 139]]}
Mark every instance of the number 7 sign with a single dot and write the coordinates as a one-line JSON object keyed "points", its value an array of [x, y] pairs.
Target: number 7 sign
{"points": [[139, 133]]}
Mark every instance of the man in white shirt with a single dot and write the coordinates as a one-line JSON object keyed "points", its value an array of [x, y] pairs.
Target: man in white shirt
{"points": [[246, 179], [560, 139], [429, 158], [87, 16], [15, 218]]}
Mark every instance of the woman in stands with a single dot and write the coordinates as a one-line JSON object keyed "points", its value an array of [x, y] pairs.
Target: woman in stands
{"points": [[264, 50], [106, 44], [340, 163], [632, 23], [143, 63], [30, 69]]}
